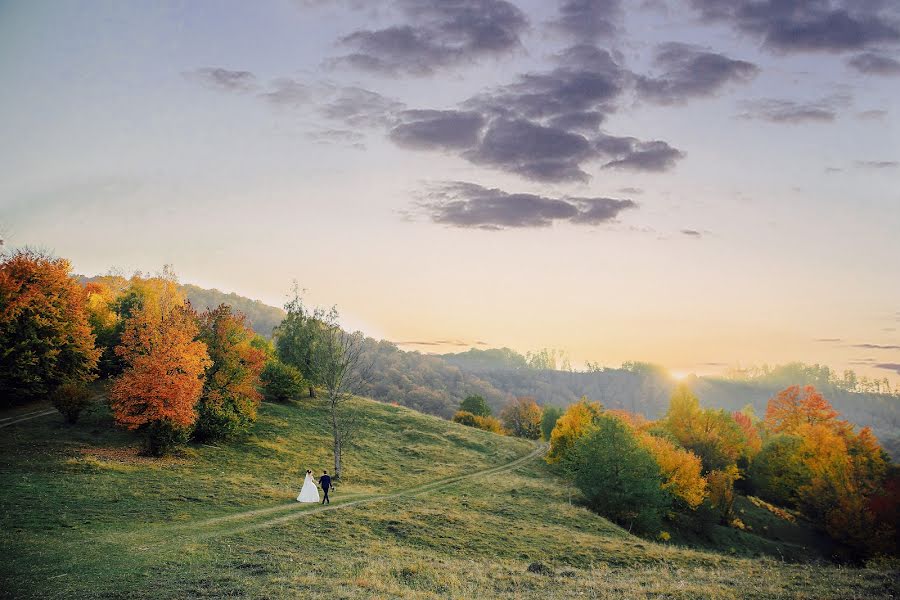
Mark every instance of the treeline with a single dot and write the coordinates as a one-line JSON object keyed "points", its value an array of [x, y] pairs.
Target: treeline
{"points": [[260, 317], [645, 388], [174, 374], [685, 468]]}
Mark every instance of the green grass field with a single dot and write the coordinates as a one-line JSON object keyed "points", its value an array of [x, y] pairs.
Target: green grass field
{"points": [[430, 509]]}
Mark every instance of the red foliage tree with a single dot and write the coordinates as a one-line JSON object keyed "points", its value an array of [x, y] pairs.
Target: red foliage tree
{"points": [[793, 407]]}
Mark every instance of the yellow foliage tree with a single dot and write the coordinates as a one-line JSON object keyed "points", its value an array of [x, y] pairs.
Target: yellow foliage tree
{"points": [[680, 468], [574, 423]]}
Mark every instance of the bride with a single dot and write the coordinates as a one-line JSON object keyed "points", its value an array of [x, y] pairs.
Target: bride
{"points": [[309, 492]]}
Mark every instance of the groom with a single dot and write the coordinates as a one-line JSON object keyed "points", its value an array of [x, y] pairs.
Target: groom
{"points": [[325, 482]]}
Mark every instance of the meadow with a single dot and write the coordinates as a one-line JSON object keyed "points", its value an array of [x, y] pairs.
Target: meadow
{"points": [[426, 509]]}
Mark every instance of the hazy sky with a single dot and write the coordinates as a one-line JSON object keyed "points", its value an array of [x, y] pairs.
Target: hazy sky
{"points": [[698, 183]]}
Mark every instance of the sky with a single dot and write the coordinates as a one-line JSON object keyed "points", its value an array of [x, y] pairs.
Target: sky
{"points": [[700, 184]]}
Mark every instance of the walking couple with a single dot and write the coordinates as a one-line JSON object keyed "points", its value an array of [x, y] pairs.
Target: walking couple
{"points": [[310, 493]]}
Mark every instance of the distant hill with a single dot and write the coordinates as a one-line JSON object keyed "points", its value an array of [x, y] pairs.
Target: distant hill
{"points": [[435, 384], [263, 318]]}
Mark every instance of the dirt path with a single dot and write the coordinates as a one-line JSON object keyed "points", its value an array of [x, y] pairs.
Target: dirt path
{"points": [[12, 420], [34, 414], [210, 528]]}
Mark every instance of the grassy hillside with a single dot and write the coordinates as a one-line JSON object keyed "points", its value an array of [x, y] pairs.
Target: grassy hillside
{"points": [[432, 510]]}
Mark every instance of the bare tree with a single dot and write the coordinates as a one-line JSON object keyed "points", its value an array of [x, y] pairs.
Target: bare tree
{"points": [[343, 371]]}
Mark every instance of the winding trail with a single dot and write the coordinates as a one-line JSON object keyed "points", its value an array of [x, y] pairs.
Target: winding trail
{"points": [[210, 528]]}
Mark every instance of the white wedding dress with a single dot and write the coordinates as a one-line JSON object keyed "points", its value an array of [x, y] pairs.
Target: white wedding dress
{"points": [[309, 492]]}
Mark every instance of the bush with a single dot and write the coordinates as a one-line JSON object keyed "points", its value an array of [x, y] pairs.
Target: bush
{"points": [[280, 382], [70, 399], [485, 423], [618, 477], [163, 435]]}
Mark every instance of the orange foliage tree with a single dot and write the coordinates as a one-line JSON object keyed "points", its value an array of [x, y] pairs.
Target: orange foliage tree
{"points": [[165, 363], [846, 469], [45, 338], [522, 418], [792, 408], [574, 423], [752, 439]]}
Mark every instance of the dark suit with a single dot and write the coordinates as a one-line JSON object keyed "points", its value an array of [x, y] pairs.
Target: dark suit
{"points": [[325, 482]]}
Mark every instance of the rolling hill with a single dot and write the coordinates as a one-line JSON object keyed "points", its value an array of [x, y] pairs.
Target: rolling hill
{"points": [[427, 509]]}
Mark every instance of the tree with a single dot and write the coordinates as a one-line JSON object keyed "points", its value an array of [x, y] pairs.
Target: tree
{"points": [[230, 393], [522, 418], [338, 361], [618, 477], [792, 407], [45, 338], [711, 434], [574, 423], [296, 339], [280, 382], [476, 405], [778, 471], [680, 469], [752, 440], [163, 379], [551, 415], [721, 491]]}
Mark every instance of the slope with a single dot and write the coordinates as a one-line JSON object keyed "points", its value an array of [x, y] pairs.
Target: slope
{"points": [[432, 509]]}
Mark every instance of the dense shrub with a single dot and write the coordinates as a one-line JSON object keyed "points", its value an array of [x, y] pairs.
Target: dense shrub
{"points": [[486, 423], [281, 382], [476, 405], [70, 399]]}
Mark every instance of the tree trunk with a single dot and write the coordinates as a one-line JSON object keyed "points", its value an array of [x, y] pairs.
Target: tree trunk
{"points": [[336, 434], [312, 391]]}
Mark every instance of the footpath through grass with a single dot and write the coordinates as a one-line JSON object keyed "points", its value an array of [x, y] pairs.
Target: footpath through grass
{"points": [[430, 509]]}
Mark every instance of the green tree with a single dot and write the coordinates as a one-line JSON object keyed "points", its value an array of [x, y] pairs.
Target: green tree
{"points": [[231, 389], [778, 471], [551, 415], [476, 405], [45, 338], [280, 382], [340, 363], [618, 477], [296, 340]]}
